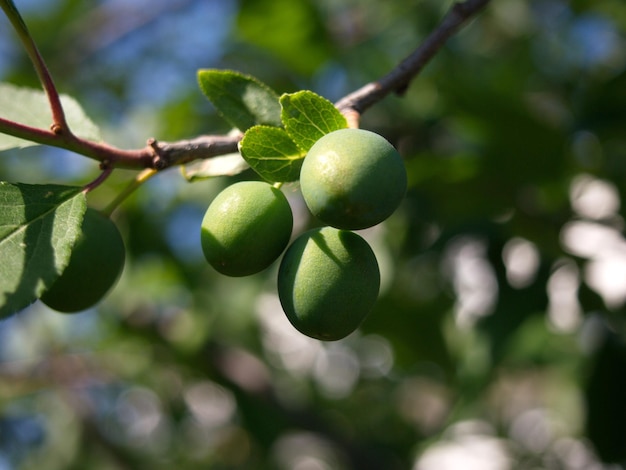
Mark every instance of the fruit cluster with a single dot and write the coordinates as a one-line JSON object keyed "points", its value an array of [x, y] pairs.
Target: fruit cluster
{"points": [[328, 279]]}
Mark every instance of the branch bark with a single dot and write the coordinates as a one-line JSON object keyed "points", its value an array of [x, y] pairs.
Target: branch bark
{"points": [[185, 151], [398, 79]]}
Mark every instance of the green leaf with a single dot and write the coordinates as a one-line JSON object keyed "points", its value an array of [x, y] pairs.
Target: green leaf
{"points": [[307, 117], [224, 165], [272, 153], [39, 225], [242, 100], [30, 106]]}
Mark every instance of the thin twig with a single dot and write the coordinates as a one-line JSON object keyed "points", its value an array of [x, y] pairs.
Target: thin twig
{"points": [[25, 132], [158, 156], [399, 78], [199, 148], [59, 123], [100, 151], [106, 172]]}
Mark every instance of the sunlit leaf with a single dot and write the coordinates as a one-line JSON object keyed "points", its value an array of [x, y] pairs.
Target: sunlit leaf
{"points": [[241, 99], [272, 153], [307, 117]]}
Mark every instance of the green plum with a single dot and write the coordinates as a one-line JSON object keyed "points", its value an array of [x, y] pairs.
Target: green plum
{"points": [[353, 179], [246, 228], [95, 265], [328, 281]]}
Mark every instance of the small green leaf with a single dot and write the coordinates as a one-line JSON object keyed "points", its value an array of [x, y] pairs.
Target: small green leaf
{"points": [[224, 165], [241, 99], [308, 116], [30, 106], [39, 225], [272, 154]]}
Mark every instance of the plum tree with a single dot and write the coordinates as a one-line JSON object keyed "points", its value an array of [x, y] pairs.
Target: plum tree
{"points": [[95, 265], [328, 281], [353, 179], [246, 228]]}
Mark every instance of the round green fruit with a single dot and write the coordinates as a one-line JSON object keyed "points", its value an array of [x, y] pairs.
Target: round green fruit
{"points": [[95, 265], [246, 228], [328, 282], [353, 179]]}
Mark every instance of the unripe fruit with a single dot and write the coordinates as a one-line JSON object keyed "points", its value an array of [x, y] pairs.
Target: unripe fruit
{"points": [[246, 228], [353, 179], [328, 282], [95, 265]]}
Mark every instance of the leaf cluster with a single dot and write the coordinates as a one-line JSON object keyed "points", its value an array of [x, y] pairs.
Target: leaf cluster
{"points": [[278, 130]]}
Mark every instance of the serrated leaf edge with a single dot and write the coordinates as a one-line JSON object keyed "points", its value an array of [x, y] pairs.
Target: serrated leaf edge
{"points": [[297, 136]]}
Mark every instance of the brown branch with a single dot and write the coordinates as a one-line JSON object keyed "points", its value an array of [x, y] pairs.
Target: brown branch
{"points": [[185, 151], [155, 155], [106, 154], [161, 155], [401, 76], [59, 123], [106, 172], [33, 134]]}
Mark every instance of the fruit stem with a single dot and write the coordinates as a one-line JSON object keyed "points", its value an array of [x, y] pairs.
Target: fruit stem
{"points": [[140, 179], [353, 118], [106, 172]]}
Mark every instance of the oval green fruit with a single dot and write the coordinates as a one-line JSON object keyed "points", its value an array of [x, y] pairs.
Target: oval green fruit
{"points": [[246, 228], [95, 265], [353, 179], [328, 282]]}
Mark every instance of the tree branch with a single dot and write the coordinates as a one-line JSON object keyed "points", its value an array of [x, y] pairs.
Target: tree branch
{"points": [[155, 155], [161, 155], [108, 155], [400, 77], [59, 123], [185, 151]]}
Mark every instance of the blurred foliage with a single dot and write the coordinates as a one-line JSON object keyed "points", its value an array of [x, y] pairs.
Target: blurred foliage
{"points": [[498, 340]]}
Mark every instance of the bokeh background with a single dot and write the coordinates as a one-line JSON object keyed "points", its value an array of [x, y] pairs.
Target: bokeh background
{"points": [[498, 339]]}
